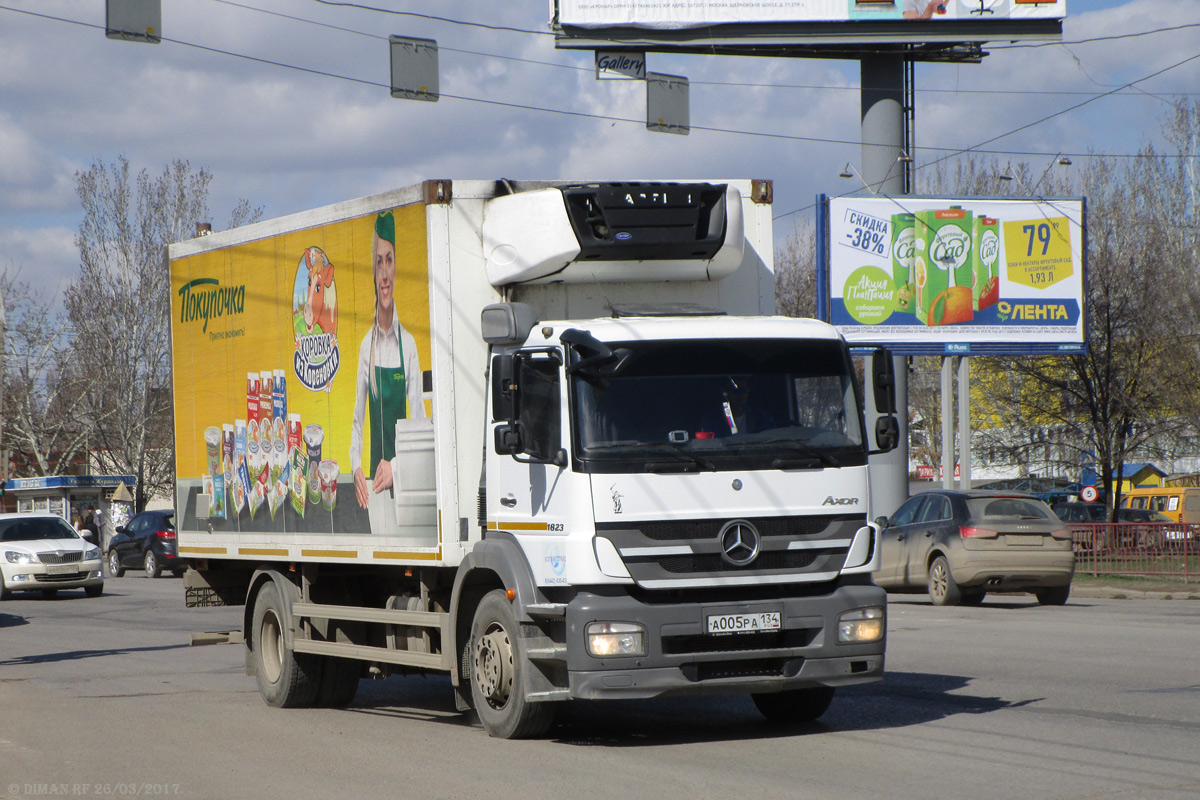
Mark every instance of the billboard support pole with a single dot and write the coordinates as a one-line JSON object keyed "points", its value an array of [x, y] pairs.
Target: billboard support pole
{"points": [[947, 422], [964, 421], [882, 80]]}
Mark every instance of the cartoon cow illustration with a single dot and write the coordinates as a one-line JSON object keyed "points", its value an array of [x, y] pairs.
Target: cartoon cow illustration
{"points": [[320, 307]]}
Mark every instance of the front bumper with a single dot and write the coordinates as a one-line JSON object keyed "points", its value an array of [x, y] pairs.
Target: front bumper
{"points": [[37, 577], [682, 659]]}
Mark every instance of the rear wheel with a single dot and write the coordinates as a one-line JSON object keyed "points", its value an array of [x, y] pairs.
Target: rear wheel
{"points": [[794, 705], [1054, 596], [285, 679], [150, 565], [114, 564], [943, 591], [498, 674]]}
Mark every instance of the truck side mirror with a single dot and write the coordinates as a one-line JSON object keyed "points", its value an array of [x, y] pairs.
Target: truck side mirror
{"points": [[884, 381], [503, 407], [508, 439], [887, 433]]}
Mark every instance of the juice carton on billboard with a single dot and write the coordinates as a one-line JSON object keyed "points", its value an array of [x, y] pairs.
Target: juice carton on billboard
{"points": [[943, 273], [904, 241], [985, 255]]}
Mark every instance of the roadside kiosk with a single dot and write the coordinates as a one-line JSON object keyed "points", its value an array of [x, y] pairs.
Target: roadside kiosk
{"points": [[110, 495]]}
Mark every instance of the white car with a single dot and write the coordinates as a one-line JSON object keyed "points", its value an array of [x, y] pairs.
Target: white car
{"points": [[43, 553]]}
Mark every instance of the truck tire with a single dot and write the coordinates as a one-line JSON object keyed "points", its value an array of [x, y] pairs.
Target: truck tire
{"points": [[339, 682], [285, 679], [794, 705], [498, 674], [943, 591]]}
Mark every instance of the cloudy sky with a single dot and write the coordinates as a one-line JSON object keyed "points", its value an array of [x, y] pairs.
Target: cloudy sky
{"points": [[286, 102]]}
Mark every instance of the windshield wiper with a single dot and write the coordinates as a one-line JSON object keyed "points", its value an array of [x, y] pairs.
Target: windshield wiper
{"points": [[808, 450], [630, 444]]}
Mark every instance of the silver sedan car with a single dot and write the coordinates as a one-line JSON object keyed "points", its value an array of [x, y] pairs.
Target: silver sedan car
{"points": [[958, 546], [43, 553]]}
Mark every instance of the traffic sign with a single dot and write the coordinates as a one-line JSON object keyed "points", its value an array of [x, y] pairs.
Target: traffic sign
{"points": [[1088, 494]]}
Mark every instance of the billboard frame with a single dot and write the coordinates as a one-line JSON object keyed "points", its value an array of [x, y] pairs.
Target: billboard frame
{"points": [[958, 41]]}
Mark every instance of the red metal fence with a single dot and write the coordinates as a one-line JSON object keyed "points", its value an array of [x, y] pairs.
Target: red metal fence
{"points": [[1159, 550]]}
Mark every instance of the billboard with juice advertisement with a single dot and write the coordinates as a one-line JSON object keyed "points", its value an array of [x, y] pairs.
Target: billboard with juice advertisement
{"points": [[943, 276], [298, 376]]}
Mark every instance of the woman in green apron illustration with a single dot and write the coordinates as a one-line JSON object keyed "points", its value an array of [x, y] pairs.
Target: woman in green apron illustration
{"points": [[388, 379]]}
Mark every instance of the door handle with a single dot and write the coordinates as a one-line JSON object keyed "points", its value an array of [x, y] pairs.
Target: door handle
{"points": [[508, 502]]}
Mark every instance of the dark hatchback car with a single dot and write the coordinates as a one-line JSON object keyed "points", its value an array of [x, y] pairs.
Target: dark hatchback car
{"points": [[146, 542], [958, 546]]}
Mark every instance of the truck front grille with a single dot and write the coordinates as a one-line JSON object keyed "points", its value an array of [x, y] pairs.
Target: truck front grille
{"points": [[680, 554]]}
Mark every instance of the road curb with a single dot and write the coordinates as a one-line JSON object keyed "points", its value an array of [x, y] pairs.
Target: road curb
{"points": [[1122, 593]]}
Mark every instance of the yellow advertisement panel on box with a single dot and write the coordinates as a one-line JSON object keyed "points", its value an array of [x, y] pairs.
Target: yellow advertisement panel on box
{"points": [[299, 403]]}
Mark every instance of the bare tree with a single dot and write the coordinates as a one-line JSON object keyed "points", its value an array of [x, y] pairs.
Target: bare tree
{"points": [[796, 275], [119, 311], [43, 404]]}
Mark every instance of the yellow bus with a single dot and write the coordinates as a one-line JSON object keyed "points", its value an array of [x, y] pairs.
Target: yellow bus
{"points": [[1180, 503]]}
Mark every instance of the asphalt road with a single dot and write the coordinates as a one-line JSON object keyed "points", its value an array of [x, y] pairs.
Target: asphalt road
{"points": [[1098, 699]]}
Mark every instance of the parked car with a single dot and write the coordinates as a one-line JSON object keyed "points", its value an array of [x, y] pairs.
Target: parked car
{"points": [[958, 546], [146, 542], [1048, 490], [1137, 528], [43, 553]]}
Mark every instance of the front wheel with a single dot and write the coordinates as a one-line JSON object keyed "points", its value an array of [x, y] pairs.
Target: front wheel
{"points": [[498, 676], [114, 564], [286, 679], [943, 591], [94, 591], [151, 566], [794, 705]]}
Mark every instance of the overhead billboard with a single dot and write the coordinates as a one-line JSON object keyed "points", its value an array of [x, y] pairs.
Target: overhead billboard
{"points": [[944, 276], [692, 13], [822, 26]]}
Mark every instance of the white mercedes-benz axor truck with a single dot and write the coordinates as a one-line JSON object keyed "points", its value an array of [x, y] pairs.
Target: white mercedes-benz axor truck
{"points": [[548, 438]]}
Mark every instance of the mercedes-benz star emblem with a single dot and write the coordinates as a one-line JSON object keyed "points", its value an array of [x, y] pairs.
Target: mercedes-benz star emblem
{"points": [[739, 542]]}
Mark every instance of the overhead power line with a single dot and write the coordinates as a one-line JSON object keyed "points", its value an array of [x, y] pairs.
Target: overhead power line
{"points": [[949, 152]]}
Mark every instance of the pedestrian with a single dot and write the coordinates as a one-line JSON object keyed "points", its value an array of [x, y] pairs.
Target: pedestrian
{"points": [[90, 525]]}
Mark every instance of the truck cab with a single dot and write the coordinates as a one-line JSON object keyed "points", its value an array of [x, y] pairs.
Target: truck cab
{"points": [[689, 494]]}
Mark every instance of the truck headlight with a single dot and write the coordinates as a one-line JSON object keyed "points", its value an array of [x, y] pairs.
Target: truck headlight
{"points": [[860, 626], [605, 639]]}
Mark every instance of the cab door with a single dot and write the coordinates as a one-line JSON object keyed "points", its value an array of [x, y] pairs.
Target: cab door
{"points": [[526, 489]]}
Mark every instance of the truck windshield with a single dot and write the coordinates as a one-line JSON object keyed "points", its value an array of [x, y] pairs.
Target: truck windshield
{"points": [[703, 405]]}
